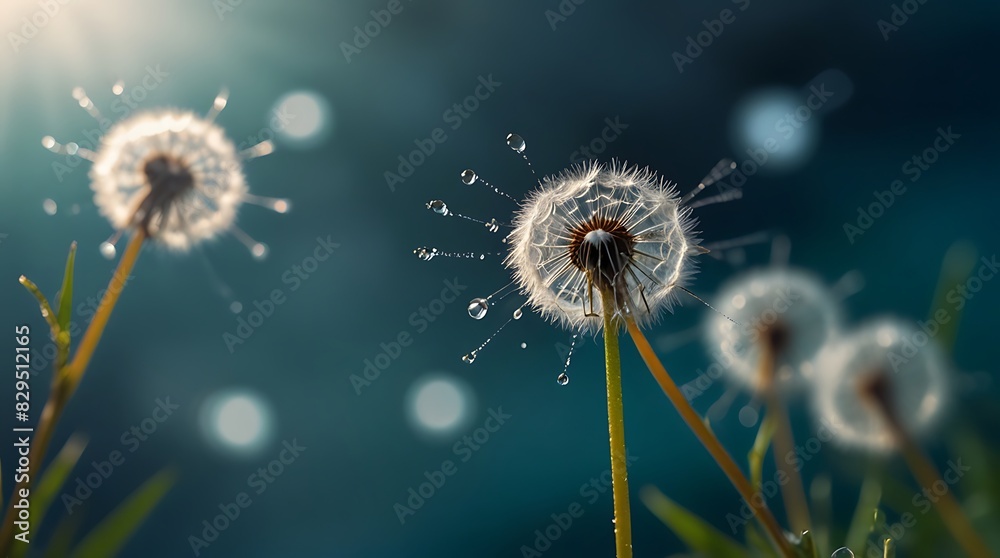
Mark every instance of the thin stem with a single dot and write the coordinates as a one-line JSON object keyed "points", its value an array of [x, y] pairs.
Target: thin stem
{"points": [[64, 383], [75, 369], [616, 431], [793, 492], [947, 505], [708, 439]]}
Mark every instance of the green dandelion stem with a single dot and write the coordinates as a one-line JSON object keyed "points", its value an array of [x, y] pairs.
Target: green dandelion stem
{"points": [[616, 431]]}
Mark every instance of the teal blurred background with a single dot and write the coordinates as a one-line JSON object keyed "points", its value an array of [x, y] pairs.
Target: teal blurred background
{"points": [[557, 80]]}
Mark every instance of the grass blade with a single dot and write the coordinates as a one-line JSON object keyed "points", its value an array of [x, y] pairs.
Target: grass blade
{"points": [[66, 293], [51, 483], [696, 533], [111, 534], [43, 302]]}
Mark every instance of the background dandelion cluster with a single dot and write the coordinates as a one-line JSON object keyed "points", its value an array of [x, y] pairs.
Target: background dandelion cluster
{"points": [[354, 350]]}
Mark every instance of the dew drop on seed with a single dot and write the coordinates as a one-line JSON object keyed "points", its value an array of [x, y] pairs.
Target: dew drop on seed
{"points": [[469, 176], [438, 206], [492, 225], [236, 307], [515, 142], [108, 250], [478, 308], [842, 552], [469, 358], [518, 313], [562, 379], [426, 254], [524, 345], [49, 206]]}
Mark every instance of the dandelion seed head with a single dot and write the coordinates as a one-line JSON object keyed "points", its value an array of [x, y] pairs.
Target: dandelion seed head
{"points": [[172, 173], [601, 227], [908, 369], [785, 311]]}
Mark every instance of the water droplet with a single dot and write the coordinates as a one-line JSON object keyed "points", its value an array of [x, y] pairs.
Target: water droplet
{"points": [[524, 345], [518, 313], [478, 308], [492, 225], [425, 253], [562, 379], [515, 142], [236, 307], [259, 251], [469, 176], [748, 416], [469, 358], [108, 250], [118, 88], [842, 552], [72, 148], [49, 206], [438, 206], [48, 142]]}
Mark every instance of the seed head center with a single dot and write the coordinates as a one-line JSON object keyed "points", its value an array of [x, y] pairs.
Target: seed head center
{"points": [[168, 178], [602, 248]]}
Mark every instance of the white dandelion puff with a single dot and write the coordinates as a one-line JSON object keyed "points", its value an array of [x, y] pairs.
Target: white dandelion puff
{"points": [[591, 230], [599, 228], [787, 313], [886, 368], [172, 174]]}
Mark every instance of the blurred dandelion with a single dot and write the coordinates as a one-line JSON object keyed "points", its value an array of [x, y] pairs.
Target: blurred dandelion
{"points": [[172, 174], [785, 317], [886, 353], [881, 387], [169, 176], [786, 312]]}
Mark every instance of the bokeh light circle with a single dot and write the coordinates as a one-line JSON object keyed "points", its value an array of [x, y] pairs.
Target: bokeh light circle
{"points": [[237, 421], [439, 405], [302, 118]]}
